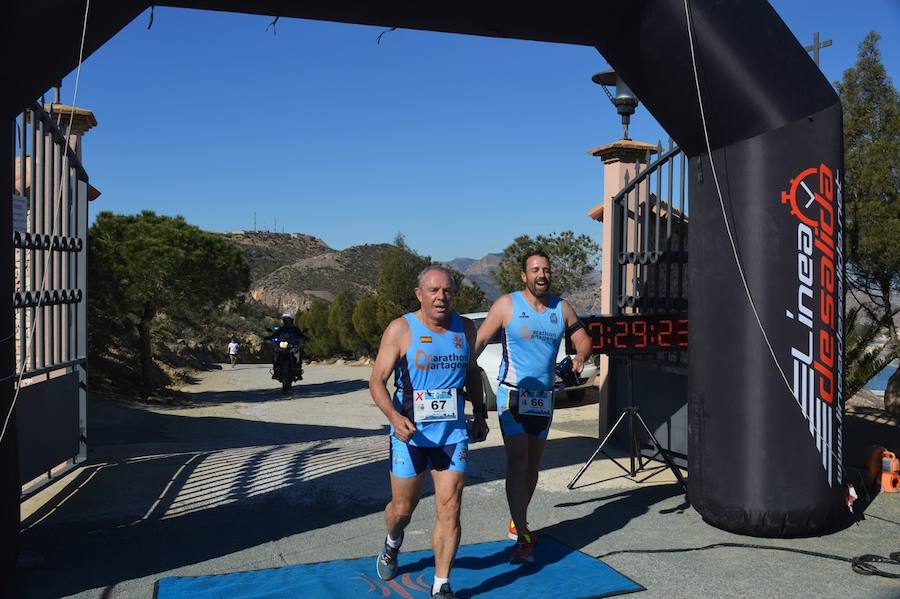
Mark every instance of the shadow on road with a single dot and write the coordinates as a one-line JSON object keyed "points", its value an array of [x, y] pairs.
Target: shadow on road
{"points": [[299, 391], [616, 510], [115, 424]]}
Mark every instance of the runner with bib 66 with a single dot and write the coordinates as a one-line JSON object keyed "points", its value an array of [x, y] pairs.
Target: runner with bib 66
{"points": [[532, 325]]}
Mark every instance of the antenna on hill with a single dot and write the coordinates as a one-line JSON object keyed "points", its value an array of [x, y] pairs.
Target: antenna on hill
{"points": [[254, 221]]}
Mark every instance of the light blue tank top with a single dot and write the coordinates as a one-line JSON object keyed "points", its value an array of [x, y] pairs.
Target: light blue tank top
{"points": [[433, 361], [530, 344]]}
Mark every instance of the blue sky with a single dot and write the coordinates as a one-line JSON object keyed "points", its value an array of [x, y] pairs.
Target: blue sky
{"points": [[459, 142]]}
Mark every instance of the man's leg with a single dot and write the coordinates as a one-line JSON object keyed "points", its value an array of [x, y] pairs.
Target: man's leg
{"points": [[405, 494], [518, 478], [448, 487], [535, 452], [407, 473], [404, 497]]}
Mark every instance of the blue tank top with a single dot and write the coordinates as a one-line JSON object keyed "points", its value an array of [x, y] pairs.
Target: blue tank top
{"points": [[433, 361], [530, 344]]}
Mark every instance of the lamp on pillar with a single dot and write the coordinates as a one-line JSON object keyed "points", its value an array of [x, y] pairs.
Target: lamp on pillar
{"points": [[621, 160], [625, 101]]}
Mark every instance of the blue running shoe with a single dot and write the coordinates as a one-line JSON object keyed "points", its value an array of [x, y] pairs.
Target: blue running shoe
{"points": [[386, 562]]}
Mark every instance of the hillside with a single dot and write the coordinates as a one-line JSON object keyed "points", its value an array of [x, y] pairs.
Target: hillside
{"points": [[267, 252], [289, 270], [460, 264], [296, 285]]}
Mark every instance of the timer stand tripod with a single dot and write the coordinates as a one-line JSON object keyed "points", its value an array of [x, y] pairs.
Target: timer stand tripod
{"points": [[632, 413]]}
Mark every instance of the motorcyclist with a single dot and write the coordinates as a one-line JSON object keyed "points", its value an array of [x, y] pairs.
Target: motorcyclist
{"points": [[287, 329]]}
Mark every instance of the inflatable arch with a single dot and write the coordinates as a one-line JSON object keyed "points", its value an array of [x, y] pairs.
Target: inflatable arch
{"points": [[764, 410]]}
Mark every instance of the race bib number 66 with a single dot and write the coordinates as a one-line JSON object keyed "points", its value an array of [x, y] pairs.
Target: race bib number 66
{"points": [[435, 405], [535, 403]]}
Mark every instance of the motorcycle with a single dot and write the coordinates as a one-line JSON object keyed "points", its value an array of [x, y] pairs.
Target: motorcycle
{"points": [[288, 362]]}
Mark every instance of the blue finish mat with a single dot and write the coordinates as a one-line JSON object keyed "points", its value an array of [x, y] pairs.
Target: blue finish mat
{"points": [[480, 570]]}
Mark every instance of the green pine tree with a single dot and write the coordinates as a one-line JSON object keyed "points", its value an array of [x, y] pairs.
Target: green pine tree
{"points": [[872, 204], [323, 342], [469, 296], [340, 321], [572, 258], [141, 266], [365, 322]]}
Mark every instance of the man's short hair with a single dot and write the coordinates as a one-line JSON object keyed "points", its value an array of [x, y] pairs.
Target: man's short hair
{"points": [[532, 254], [432, 267]]}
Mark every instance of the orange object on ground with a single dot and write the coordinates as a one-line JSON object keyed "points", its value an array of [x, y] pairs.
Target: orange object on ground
{"points": [[873, 463], [890, 472]]}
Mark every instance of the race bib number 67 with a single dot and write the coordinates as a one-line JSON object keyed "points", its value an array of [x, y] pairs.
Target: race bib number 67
{"points": [[435, 405]]}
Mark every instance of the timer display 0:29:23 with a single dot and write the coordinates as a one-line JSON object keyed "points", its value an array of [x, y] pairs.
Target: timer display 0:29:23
{"points": [[647, 333]]}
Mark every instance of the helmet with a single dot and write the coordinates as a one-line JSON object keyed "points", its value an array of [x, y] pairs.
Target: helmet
{"points": [[287, 316]]}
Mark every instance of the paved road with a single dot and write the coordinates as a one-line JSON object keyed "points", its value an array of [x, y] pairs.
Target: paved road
{"points": [[246, 478]]}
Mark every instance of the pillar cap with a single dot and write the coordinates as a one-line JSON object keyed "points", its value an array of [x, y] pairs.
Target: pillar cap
{"points": [[624, 150], [83, 120], [596, 213]]}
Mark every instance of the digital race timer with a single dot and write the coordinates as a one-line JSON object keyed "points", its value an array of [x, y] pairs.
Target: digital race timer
{"points": [[637, 333]]}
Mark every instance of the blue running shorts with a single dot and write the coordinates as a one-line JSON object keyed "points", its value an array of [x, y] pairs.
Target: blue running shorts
{"points": [[511, 423], [408, 460]]}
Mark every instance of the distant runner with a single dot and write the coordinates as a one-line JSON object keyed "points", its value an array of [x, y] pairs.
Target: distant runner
{"points": [[233, 347]]}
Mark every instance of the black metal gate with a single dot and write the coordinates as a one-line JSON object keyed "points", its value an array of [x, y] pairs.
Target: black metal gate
{"points": [[49, 236], [650, 236]]}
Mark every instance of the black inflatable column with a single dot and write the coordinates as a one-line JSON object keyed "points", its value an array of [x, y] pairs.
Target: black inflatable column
{"points": [[765, 446], [764, 443], [9, 451]]}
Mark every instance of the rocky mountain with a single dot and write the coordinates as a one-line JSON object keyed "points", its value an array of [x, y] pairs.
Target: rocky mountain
{"points": [[288, 271], [295, 286], [267, 252], [480, 272], [460, 264]]}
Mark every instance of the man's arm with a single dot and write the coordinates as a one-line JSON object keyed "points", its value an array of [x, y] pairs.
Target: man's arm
{"points": [[297, 332], [474, 390], [495, 320], [388, 353], [581, 341]]}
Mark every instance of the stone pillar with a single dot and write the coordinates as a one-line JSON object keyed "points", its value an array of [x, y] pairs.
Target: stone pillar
{"points": [[620, 158]]}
